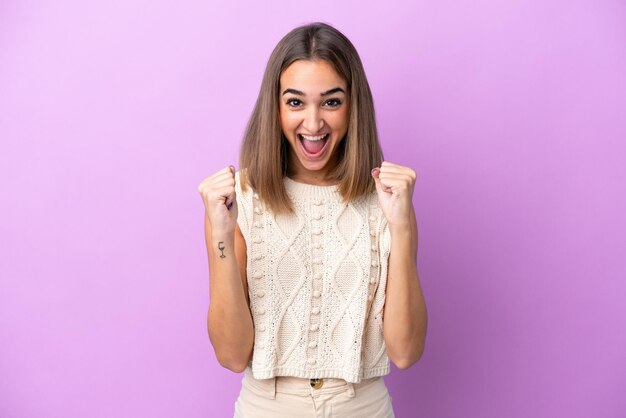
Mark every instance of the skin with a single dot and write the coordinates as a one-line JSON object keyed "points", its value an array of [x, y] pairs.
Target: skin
{"points": [[405, 317], [313, 112], [229, 320], [306, 108]]}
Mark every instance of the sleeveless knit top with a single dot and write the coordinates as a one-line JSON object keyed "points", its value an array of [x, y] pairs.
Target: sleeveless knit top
{"points": [[316, 281]]}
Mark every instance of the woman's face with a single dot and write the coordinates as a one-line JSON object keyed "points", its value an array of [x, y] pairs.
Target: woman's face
{"points": [[314, 114]]}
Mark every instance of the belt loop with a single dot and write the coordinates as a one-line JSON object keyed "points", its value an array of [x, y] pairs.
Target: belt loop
{"points": [[350, 389], [273, 387]]}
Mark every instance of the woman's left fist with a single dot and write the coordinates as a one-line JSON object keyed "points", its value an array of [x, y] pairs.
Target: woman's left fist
{"points": [[394, 185]]}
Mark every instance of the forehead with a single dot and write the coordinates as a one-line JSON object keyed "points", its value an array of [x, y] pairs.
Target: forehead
{"points": [[311, 76]]}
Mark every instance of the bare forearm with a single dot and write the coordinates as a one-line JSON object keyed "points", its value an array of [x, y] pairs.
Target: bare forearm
{"points": [[230, 323], [405, 315]]}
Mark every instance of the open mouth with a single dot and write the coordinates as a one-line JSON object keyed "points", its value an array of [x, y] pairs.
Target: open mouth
{"points": [[313, 146]]}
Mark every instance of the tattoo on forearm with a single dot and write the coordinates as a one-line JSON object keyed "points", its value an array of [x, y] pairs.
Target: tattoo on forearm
{"points": [[220, 246]]}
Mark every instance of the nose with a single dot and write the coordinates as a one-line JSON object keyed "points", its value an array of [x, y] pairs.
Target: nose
{"points": [[313, 121]]}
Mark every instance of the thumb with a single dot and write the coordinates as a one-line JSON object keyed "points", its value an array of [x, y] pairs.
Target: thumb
{"points": [[375, 173]]}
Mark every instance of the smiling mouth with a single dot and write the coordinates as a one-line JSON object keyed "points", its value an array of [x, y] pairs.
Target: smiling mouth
{"points": [[313, 146]]}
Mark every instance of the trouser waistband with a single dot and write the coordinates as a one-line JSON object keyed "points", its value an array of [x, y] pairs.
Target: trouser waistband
{"points": [[302, 386]]}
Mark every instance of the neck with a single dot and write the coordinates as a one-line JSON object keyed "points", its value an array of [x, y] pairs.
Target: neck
{"points": [[299, 173]]}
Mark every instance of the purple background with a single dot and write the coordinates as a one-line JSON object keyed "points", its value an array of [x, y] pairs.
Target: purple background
{"points": [[511, 112]]}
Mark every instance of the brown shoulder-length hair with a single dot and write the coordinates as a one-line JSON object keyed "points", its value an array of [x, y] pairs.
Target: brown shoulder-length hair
{"points": [[264, 153]]}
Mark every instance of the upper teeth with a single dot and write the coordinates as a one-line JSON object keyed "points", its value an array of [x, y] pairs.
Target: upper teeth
{"points": [[313, 138]]}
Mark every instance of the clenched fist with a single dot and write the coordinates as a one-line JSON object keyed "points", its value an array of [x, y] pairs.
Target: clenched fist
{"points": [[220, 201]]}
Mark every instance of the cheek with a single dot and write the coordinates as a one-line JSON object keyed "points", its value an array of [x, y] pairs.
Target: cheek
{"points": [[340, 120], [287, 121], [286, 117]]}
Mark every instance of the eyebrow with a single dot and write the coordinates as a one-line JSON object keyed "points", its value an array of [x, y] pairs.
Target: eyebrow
{"points": [[326, 93]]}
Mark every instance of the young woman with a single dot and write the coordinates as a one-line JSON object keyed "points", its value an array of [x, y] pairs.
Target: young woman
{"points": [[312, 244]]}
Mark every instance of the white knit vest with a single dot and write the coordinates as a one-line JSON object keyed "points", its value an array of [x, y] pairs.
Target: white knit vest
{"points": [[316, 282]]}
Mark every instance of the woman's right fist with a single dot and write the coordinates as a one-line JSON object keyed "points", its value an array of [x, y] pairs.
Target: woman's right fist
{"points": [[220, 201]]}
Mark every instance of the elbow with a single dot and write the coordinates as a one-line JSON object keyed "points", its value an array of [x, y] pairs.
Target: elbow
{"points": [[232, 356], [233, 364], [236, 367], [406, 360], [228, 358]]}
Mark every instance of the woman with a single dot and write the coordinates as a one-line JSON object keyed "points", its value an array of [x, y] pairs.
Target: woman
{"points": [[313, 242]]}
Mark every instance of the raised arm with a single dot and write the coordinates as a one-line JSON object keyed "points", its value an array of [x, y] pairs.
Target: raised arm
{"points": [[405, 318], [229, 319]]}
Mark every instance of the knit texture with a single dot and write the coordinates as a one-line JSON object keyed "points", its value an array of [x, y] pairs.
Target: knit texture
{"points": [[316, 281]]}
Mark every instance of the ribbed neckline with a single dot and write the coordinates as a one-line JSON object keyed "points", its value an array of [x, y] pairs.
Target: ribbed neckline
{"points": [[305, 189]]}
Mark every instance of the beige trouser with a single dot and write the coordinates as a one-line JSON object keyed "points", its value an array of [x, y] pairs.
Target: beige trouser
{"points": [[289, 397]]}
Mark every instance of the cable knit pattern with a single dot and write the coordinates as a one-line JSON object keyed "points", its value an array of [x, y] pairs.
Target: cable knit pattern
{"points": [[316, 281]]}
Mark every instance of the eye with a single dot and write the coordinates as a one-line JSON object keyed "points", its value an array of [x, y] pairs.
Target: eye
{"points": [[294, 102], [332, 102]]}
